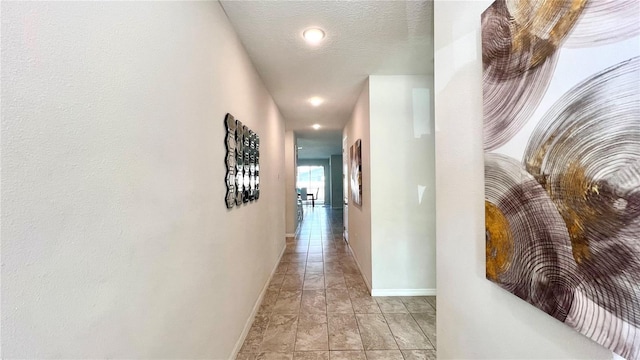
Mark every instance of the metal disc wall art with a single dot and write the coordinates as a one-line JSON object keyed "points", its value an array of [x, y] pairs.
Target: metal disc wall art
{"points": [[257, 168], [246, 136], [239, 162], [230, 160], [252, 166], [561, 91], [243, 163]]}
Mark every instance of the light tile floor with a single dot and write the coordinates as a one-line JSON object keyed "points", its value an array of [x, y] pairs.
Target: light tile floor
{"points": [[317, 306]]}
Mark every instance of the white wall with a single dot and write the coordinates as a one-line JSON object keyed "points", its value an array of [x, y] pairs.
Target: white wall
{"points": [[402, 185], [359, 216], [477, 320], [290, 165], [116, 242]]}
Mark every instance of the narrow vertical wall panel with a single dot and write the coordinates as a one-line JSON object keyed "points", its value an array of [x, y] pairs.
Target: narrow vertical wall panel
{"points": [[402, 185]]}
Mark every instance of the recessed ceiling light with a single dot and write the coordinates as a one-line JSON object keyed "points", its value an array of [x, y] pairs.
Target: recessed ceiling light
{"points": [[316, 126], [313, 36], [316, 101]]}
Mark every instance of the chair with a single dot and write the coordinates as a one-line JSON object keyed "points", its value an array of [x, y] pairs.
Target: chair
{"points": [[314, 197], [303, 194]]}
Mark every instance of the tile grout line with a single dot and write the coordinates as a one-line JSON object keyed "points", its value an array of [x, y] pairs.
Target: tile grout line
{"points": [[326, 305], [422, 330], [295, 336], [390, 331]]}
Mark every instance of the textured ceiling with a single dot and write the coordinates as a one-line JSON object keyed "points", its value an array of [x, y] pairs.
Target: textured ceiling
{"points": [[363, 38]]}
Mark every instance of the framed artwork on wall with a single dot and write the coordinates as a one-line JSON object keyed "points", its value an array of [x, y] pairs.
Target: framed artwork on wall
{"points": [[561, 98], [355, 161]]}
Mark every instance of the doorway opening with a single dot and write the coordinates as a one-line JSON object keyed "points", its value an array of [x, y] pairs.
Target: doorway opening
{"points": [[310, 183]]}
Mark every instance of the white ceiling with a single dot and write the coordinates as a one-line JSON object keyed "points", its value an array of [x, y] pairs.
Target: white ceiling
{"points": [[363, 38]]}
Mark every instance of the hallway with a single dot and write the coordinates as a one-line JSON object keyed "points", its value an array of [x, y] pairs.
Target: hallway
{"points": [[318, 306]]}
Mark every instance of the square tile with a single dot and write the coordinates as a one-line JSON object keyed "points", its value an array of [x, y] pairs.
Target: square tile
{"points": [[276, 282], [332, 257], [432, 301], [315, 249], [313, 302], [332, 264], [282, 268], [343, 332], [347, 355], [407, 333], [296, 269], [311, 355], [375, 332], [417, 304], [384, 355], [254, 338], [312, 333], [246, 356], [288, 302], [274, 356], [427, 322], [313, 281], [280, 334], [335, 281], [353, 280], [419, 354], [295, 248], [348, 268], [295, 257], [315, 267], [315, 257], [292, 282], [357, 292], [338, 301], [391, 305], [365, 305], [268, 301]]}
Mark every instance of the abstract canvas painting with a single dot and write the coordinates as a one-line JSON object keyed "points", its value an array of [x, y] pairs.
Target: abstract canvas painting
{"points": [[561, 103], [355, 161]]}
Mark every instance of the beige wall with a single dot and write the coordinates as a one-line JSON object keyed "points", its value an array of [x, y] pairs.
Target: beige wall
{"points": [[476, 318], [290, 165], [116, 241], [359, 216]]}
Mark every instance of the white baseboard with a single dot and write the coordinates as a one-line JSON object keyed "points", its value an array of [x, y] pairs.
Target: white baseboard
{"points": [[254, 312], [366, 281], [403, 292], [391, 292]]}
